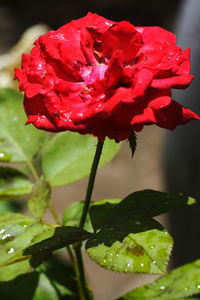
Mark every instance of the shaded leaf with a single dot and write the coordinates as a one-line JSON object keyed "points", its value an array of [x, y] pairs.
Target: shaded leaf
{"points": [[150, 203], [181, 282], [39, 201], [49, 282], [101, 211], [20, 142], [62, 237], [13, 183], [68, 156]]}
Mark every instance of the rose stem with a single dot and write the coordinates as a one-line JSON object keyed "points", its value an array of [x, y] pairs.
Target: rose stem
{"points": [[83, 289], [91, 183]]}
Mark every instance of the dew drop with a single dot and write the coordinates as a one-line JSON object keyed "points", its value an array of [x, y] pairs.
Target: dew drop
{"points": [[2, 154], [11, 250], [6, 236], [142, 265], [185, 288], [198, 286], [162, 287], [2, 231], [151, 246]]}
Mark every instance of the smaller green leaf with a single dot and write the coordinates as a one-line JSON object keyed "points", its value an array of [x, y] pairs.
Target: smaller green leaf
{"points": [[4, 156], [72, 215], [39, 201], [13, 183], [132, 142], [62, 237], [180, 283]]}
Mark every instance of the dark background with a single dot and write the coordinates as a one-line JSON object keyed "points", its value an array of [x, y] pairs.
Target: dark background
{"points": [[20, 14]]}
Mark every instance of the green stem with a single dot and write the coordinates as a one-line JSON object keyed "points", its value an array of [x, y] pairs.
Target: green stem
{"points": [[33, 170], [91, 183], [54, 213], [84, 292], [82, 285]]}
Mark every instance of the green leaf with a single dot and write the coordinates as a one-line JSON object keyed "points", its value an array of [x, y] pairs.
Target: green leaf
{"points": [[101, 211], [142, 247], [181, 282], [13, 183], [20, 142], [17, 232], [127, 241], [62, 237], [39, 201], [68, 156], [4, 156], [49, 282], [150, 203], [10, 272], [72, 215]]}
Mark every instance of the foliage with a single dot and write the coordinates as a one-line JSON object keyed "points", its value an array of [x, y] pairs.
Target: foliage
{"points": [[120, 235]]}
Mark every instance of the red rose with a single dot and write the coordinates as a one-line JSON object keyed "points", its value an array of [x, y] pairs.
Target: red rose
{"points": [[104, 78]]}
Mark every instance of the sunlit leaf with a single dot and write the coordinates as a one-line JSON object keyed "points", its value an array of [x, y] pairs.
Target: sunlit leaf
{"points": [[17, 232], [143, 247], [68, 156], [180, 283], [20, 142]]}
